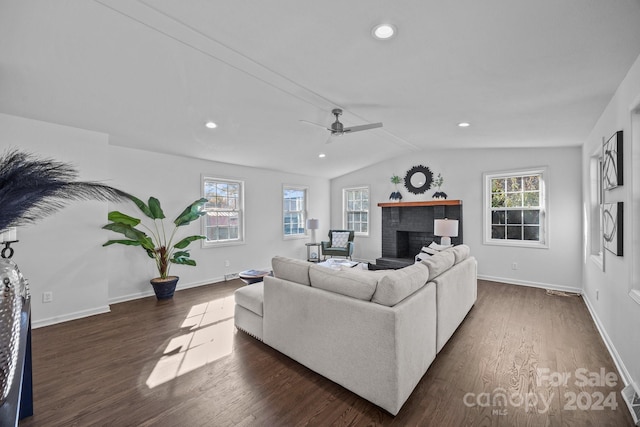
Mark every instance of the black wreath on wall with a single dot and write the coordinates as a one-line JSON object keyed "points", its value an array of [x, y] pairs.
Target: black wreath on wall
{"points": [[418, 179]]}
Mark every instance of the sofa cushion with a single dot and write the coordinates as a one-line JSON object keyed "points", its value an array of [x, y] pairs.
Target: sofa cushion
{"points": [[460, 252], [339, 239], [251, 297], [353, 283], [396, 285], [439, 263], [294, 270]]}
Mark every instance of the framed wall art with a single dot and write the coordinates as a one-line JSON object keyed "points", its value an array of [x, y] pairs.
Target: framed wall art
{"points": [[612, 227], [612, 164]]}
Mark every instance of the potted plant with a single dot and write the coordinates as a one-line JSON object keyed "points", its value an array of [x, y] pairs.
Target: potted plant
{"points": [[438, 182], [159, 245], [395, 195]]}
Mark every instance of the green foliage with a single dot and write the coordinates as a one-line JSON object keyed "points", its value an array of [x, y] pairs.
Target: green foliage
{"points": [[438, 181], [395, 179], [157, 244]]}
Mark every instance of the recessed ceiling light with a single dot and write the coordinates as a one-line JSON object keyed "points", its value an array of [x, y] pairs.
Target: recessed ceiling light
{"points": [[464, 125], [211, 125], [383, 31], [322, 155]]}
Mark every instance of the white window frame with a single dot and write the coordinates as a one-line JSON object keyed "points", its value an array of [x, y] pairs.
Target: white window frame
{"points": [[634, 287], [302, 211], [239, 211], [543, 243], [345, 211], [596, 207]]}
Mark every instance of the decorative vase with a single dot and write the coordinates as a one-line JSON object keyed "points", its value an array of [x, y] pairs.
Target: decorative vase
{"points": [[164, 288], [396, 196], [439, 194], [13, 294]]}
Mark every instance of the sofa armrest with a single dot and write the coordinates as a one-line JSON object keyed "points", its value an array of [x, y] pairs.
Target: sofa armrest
{"points": [[456, 292]]}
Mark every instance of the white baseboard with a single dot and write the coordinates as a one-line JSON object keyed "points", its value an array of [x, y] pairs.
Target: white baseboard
{"points": [[149, 292], [626, 377], [69, 316], [549, 286]]}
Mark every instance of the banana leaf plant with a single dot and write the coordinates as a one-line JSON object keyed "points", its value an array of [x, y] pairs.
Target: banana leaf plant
{"points": [[158, 243]]}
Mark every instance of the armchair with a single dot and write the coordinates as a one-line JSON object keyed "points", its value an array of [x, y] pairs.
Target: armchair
{"points": [[336, 246]]}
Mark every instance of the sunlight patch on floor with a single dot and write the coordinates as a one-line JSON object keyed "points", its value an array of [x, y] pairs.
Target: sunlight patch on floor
{"points": [[208, 337]]}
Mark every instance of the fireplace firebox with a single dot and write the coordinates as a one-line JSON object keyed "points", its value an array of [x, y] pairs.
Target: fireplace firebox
{"points": [[407, 227]]}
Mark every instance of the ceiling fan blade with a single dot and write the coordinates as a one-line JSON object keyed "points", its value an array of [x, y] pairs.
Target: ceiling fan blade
{"points": [[363, 127], [315, 124]]}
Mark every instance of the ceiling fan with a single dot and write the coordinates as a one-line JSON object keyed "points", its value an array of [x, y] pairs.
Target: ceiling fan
{"points": [[338, 129]]}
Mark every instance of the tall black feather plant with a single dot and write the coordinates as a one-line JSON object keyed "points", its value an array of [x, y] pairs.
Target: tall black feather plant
{"points": [[32, 188]]}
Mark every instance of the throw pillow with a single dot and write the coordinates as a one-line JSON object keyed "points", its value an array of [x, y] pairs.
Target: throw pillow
{"points": [[339, 239]]}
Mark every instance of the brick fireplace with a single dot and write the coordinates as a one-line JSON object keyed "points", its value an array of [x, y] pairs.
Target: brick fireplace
{"points": [[408, 226]]}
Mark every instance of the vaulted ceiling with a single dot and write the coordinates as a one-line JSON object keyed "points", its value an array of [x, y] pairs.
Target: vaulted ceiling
{"points": [[150, 73]]}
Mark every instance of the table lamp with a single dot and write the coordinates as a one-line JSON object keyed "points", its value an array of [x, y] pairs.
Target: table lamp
{"points": [[446, 229], [313, 224]]}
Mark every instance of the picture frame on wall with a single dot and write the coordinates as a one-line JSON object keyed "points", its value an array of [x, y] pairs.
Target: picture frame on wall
{"points": [[612, 227], [612, 162]]}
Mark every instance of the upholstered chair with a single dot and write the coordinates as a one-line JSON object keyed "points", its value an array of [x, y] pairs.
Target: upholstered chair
{"points": [[340, 244]]}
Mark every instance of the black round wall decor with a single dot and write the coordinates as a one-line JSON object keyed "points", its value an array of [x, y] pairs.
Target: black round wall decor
{"points": [[418, 179]]}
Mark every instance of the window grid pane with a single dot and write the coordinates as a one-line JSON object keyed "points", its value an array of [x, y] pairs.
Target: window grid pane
{"points": [[222, 222], [515, 212], [357, 210], [294, 211]]}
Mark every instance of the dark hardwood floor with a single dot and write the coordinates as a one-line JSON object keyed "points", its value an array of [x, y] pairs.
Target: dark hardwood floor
{"points": [[182, 363]]}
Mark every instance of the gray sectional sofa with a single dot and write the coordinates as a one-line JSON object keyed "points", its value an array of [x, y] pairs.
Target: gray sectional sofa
{"points": [[374, 332]]}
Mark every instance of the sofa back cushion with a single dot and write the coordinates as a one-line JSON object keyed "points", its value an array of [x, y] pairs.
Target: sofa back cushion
{"points": [[460, 253], [439, 263], [350, 282], [293, 270], [396, 285]]}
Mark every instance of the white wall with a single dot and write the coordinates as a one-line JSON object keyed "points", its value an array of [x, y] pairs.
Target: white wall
{"points": [[616, 313], [64, 254], [557, 267], [175, 181]]}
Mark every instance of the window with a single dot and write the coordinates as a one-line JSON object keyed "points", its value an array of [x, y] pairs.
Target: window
{"points": [[596, 207], [294, 211], [223, 222], [634, 291], [515, 208], [356, 210]]}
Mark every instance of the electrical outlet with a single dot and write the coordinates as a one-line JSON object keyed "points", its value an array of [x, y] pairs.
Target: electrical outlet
{"points": [[227, 263], [47, 297], [514, 265]]}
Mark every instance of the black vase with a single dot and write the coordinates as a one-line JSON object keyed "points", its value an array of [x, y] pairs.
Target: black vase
{"points": [[439, 195], [164, 288]]}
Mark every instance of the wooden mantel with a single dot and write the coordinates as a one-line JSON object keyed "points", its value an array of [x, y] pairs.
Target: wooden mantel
{"points": [[420, 203]]}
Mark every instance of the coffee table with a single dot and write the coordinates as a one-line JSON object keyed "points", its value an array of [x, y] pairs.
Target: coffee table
{"points": [[254, 276]]}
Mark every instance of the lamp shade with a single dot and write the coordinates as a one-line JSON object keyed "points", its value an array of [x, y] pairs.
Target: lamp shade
{"points": [[313, 224], [446, 228]]}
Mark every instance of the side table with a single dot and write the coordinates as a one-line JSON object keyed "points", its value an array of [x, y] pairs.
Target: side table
{"points": [[313, 256]]}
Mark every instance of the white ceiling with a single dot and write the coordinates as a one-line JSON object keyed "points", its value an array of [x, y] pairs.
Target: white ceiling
{"points": [[151, 72]]}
